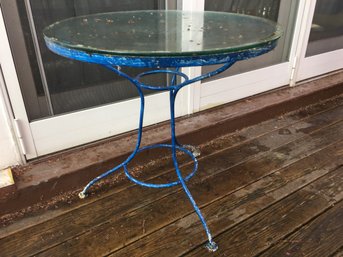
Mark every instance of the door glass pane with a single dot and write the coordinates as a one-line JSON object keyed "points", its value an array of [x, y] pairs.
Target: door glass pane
{"points": [[327, 27], [281, 11], [61, 85]]}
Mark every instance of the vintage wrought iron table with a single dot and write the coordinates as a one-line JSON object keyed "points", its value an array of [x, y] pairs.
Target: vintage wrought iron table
{"points": [[164, 41]]}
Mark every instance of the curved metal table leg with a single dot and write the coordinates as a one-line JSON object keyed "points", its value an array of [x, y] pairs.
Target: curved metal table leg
{"points": [[211, 245], [190, 150], [83, 193]]}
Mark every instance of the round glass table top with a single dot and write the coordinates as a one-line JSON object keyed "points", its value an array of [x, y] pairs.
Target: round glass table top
{"points": [[162, 33]]}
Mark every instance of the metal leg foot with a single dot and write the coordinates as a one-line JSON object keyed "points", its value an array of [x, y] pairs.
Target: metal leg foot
{"points": [[82, 195], [212, 246]]}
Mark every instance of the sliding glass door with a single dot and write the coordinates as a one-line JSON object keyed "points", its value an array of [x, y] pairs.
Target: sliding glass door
{"points": [[63, 85], [60, 103], [260, 74], [323, 50], [68, 103]]}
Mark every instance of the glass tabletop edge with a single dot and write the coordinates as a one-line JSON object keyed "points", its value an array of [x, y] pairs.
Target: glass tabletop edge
{"points": [[165, 54], [88, 49], [159, 61]]}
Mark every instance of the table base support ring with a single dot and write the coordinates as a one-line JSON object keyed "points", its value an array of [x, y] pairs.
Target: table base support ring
{"points": [[170, 184]]}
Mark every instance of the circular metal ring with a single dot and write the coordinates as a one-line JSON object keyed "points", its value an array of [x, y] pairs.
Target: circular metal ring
{"points": [[160, 88], [171, 184]]}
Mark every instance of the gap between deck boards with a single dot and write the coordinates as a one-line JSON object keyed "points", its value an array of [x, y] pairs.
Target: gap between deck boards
{"points": [[185, 203], [322, 122]]}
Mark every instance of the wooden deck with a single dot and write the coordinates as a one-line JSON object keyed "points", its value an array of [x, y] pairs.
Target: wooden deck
{"points": [[273, 189]]}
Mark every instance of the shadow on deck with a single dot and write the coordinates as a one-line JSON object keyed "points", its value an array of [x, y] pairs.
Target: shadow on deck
{"points": [[272, 189]]}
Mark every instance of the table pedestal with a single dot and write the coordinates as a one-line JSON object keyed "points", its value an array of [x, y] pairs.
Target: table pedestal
{"points": [[192, 151]]}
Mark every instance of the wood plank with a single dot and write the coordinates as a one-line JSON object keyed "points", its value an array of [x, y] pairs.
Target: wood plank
{"points": [[243, 135], [52, 234], [186, 233], [269, 226], [208, 148], [286, 120], [49, 236], [339, 253], [153, 220], [321, 237]]}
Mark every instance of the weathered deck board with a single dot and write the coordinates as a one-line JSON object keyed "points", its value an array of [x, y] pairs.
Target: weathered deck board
{"points": [[270, 225], [339, 253], [246, 134], [227, 182], [187, 232], [239, 175], [321, 237]]}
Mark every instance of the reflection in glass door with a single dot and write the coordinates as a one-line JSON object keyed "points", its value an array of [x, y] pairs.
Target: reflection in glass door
{"points": [[259, 74], [261, 8], [324, 49], [327, 28], [69, 103], [53, 85]]}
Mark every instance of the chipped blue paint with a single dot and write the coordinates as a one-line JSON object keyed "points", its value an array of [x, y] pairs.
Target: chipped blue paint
{"points": [[113, 63], [158, 61]]}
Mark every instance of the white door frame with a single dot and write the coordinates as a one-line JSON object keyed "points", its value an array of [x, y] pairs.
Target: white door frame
{"points": [[193, 91], [316, 65], [23, 130], [64, 131], [68, 130]]}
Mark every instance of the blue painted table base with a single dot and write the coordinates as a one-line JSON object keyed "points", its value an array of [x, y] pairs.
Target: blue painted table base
{"points": [[174, 146], [112, 62]]}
